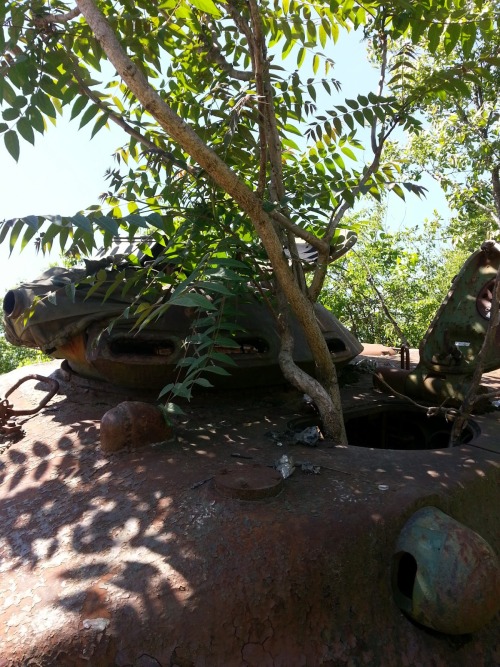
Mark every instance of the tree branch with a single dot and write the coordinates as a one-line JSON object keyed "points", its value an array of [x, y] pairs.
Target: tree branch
{"points": [[218, 170], [300, 232], [381, 84], [42, 22], [254, 39], [272, 137], [321, 393], [239, 21], [386, 310], [339, 212], [214, 53]]}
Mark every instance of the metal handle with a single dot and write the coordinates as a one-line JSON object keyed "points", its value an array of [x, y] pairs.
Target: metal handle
{"points": [[54, 388]]}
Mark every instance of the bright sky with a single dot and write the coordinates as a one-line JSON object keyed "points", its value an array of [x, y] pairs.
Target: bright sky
{"points": [[64, 172]]}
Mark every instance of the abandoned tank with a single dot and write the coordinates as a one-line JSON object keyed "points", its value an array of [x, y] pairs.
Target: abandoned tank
{"points": [[239, 535]]}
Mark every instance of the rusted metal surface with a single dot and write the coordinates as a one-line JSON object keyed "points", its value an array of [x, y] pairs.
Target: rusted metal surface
{"points": [[133, 424], [249, 482], [136, 558], [77, 329]]}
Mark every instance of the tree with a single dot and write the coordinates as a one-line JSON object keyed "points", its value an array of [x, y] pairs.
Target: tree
{"points": [[211, 120], [462, 151], [389, 288], [460, 147], [12, 357]]}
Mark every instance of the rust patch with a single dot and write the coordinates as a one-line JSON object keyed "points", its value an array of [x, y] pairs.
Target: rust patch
{"points": [[249, 482]]}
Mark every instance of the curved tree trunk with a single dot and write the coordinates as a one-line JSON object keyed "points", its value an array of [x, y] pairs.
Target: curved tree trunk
{"points": [[324, 393]]}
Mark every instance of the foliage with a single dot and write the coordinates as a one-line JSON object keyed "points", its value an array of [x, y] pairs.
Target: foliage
{"points": [[407, 271], [461, 145], [224, 145], [12, 357]]}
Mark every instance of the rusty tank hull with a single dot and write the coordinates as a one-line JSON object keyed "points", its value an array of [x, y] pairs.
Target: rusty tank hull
{"points": [[145, 557], [72, 320]]}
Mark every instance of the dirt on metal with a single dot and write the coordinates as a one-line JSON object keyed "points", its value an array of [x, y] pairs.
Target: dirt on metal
{"points": [[139, 558]]}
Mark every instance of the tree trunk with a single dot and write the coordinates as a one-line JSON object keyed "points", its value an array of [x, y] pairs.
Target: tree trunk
{"points": [[327, 397]]}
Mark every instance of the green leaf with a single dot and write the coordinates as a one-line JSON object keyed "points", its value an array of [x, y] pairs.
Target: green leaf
{"points": [[349, 121], [36, 119], [4, 229], [206, 6], [322, 39], [468, 38], [203, 382], [50, 87], [368, 114], [100, 123], [301, 57], [452, 35], [293, 129], [434, 35], [108, 224], [11, 141], [180, 389], [312, 91], [172, 408], [82, 222], [338, 160], [224, 341], [14, 235], [10, 114], [418, 27], [79, 105], [88, 115], [27, 236], [347, 151], [19, 102], [219, 288], [398, 190], [32, 221], [44, 104], [217, 370], [289, 44], [359, 116], [25, 130], [192, 300]]}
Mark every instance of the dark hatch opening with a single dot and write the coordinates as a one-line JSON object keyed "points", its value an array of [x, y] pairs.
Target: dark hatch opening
{"points": [[141, 347], [402, 427], [395, 426]]}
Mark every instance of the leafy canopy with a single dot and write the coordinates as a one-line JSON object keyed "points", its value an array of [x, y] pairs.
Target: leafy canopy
{"points": [[198, 56], [231, 151]]}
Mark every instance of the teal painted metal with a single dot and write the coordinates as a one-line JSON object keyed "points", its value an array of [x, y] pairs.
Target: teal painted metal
{"points": [[444, 575], [450, 348], [455, 336]]}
